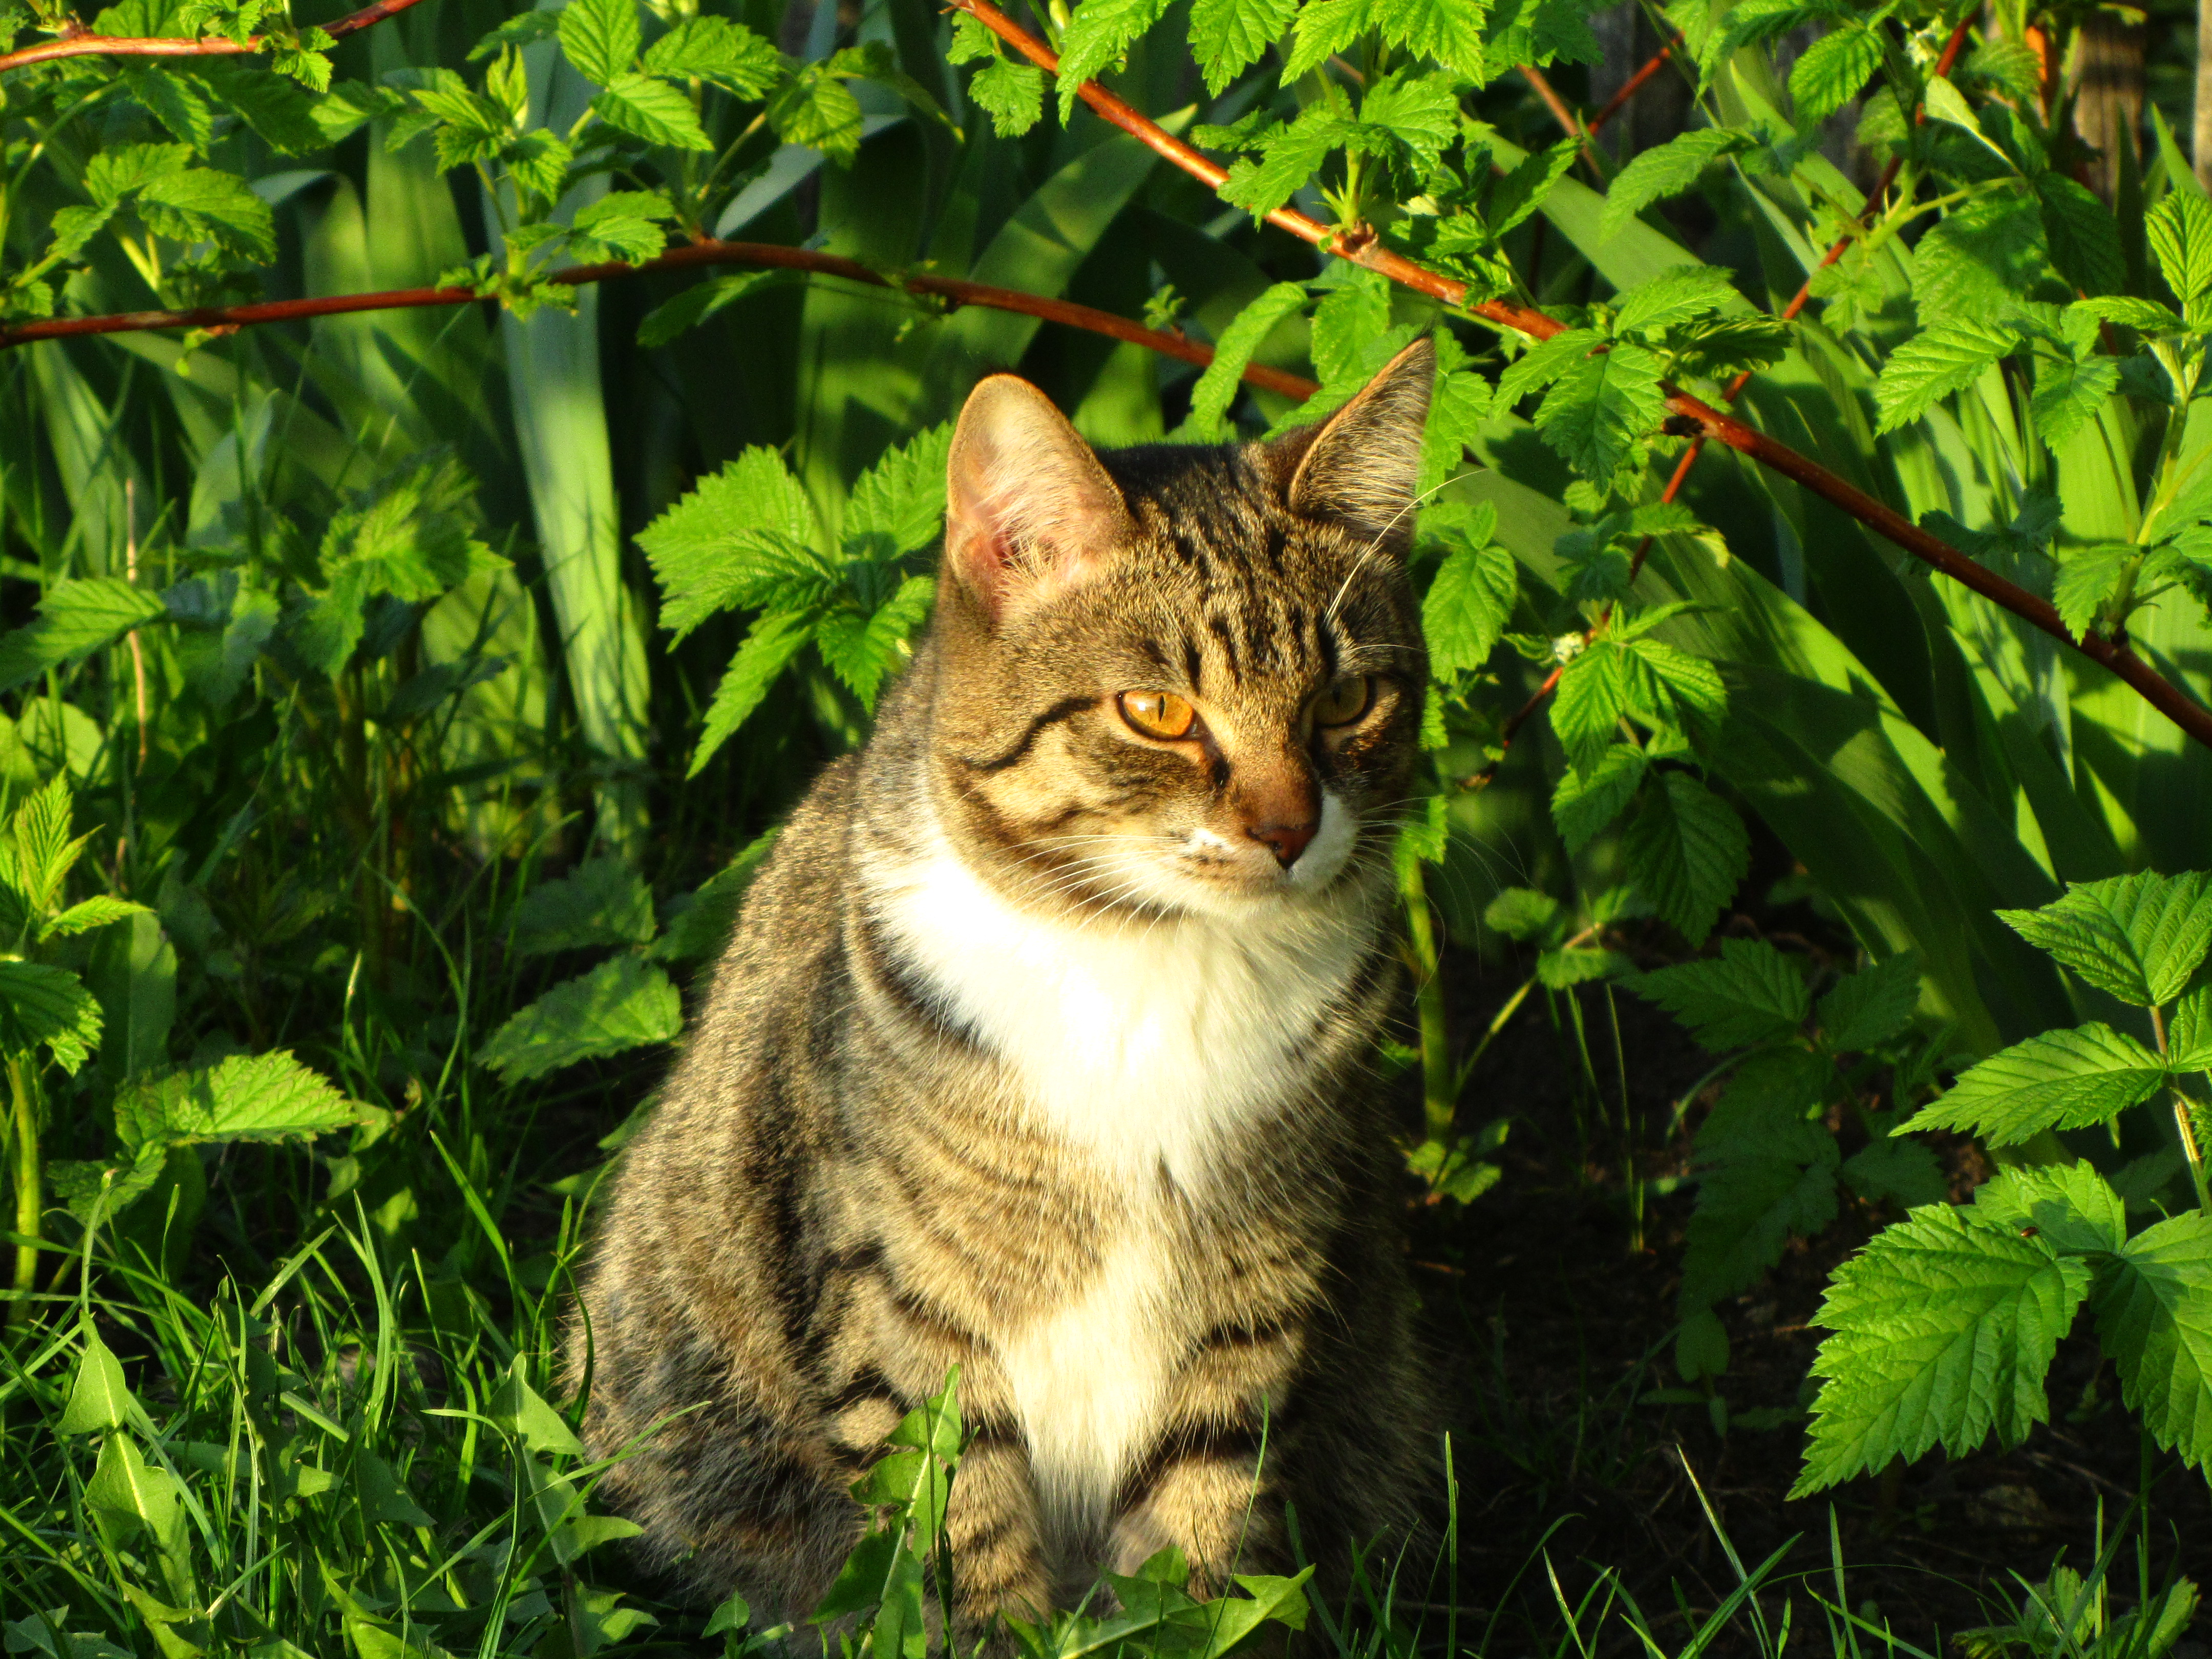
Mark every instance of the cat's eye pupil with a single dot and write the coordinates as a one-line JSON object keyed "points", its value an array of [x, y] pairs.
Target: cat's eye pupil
{"points": [[1158, 714], [1343, 700]]}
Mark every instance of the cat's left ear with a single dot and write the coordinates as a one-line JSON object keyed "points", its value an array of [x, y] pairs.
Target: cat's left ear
{"points": [[1360, 466], [1029, 512]]}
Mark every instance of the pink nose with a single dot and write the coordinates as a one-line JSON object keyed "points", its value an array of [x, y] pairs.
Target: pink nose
{"points": [[1285, 841]]}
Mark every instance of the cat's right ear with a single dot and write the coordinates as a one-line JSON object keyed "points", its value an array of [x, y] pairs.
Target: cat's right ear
{"points": [[1029, 512]]}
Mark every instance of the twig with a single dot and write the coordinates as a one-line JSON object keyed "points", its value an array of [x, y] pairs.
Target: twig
{"points": [[80, 42], [698, 254], [1569, 122], [1633, 85]]}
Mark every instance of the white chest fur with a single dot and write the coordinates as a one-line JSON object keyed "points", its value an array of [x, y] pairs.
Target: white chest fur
{"points": [[1142, 1043], [1144, 1046]]}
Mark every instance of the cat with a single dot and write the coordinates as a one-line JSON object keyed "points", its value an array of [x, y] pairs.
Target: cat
{"points": [[1042, 1047]]}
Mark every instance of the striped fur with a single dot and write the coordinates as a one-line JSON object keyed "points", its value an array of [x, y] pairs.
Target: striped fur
{"points": [[1026, 1055]]}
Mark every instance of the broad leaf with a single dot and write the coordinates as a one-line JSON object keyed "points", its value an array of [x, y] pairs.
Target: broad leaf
{"points": [[1871, 1006], [1751, 993], [2154, 1312], [40, 1005], [2139, 937], [1931, 366], [2059, 1080], [1668, 169], [264, 1097], [603, 902], [74, 619], [621, 1005], [1686, 850], [1585, 802]]}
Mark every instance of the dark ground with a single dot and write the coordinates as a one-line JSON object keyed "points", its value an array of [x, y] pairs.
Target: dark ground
{"points": [[1556, 1327]]}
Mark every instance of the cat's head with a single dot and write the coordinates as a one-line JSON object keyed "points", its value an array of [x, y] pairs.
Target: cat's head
{"points": [[1179, 679]]}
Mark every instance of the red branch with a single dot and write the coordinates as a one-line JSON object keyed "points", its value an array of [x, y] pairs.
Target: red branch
{"points": [[1633, 85], [959, 292], [1701, 418], [77, 41]]}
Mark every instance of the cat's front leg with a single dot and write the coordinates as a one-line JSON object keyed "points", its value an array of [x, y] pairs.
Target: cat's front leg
{"points": [[995, 1532], [1207, 1492]]}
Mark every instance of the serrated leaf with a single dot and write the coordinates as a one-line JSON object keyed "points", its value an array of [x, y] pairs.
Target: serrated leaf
{"points": [[600, 38], [2068, 393], [1216, 388], [623, 1004], [701, 928], [862, 649], [1901, 1172], [2138, 936], [604, 901], [2153, 1311], [1932, 365], [2179, 232], [203, 204], [83, 917], [2070, 1206], [1583, 803], [1687, 849], [1830, 72], [1012, 94], [1420, 111], [1601, 408], [74, 619], [258, 1097], [732, 541], [2059, 1080], [668, 321], [1521, 913], [1468, 603], [660, 114], [1097, 34], [1666, 170], [1748, 1210], [1978, 260], [897, 505], [2088, 579], [50, 1007], [1671, 296], [118, 169], [715, 49], [1750, 994], [1872, 1006], [767, 651], [1228, 35], [1944, 1328], [1324, 28], [2080, 231], [1589, 704]]}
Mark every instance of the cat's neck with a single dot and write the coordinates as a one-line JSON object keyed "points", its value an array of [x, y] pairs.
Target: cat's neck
{"points": [[1147, 1042]]}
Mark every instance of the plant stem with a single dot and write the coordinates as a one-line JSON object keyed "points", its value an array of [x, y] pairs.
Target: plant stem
{"points": [[2184, 1123], [30, 1198], [1438, 1093]]}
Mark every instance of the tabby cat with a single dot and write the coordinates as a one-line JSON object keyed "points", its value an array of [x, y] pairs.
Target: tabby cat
{"points": [[1043, 1049]]}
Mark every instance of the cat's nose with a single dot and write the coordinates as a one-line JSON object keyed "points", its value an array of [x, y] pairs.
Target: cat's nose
{"points": [[1285, 840]]}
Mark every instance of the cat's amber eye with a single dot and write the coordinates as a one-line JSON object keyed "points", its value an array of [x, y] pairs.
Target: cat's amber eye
{"points": [[1343, 700], [1158, 714]]}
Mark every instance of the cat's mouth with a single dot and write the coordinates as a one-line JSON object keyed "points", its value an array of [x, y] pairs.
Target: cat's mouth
{"points": [[1207, 870]]}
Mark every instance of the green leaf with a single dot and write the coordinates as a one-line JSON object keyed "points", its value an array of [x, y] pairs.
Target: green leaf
{"points": [[1324, 28], [1522, 913], [1901, 1172], [768, 649], [2180, 231], [1932, 365], [202, 204], [2080, 231], [600, 38], [1601, 408], [1525, 189], [1750, 994], [2068, 393], [715, 49], [179, 104], [818, 110], [49, 1005], [623, 1004], [667, 321], [1098, 34], [1421, 112], [1831, 71], [1589, 704], [117, 170], [2138, 936], [1673, 296], [2188, 1035], [1978, 260], [2070, 1206], [1686, 850], [2059, 1080], [734, 542], [1470, 599], [75, 618], [701, 929], [1012, 94], [1748, 1210], [897, 505], [1665, 170], [259, 1097], [1585, 803], [1944, 1328], [603, 902], [623, 224], [861, 649], [1538, 32], [1228, 35], [82, 918], [660, 114], [1289, 157], [98, 1398], [1872, 1006], [2088, 579], [2153, 1311], [1216, 388], [522, 1411]]}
